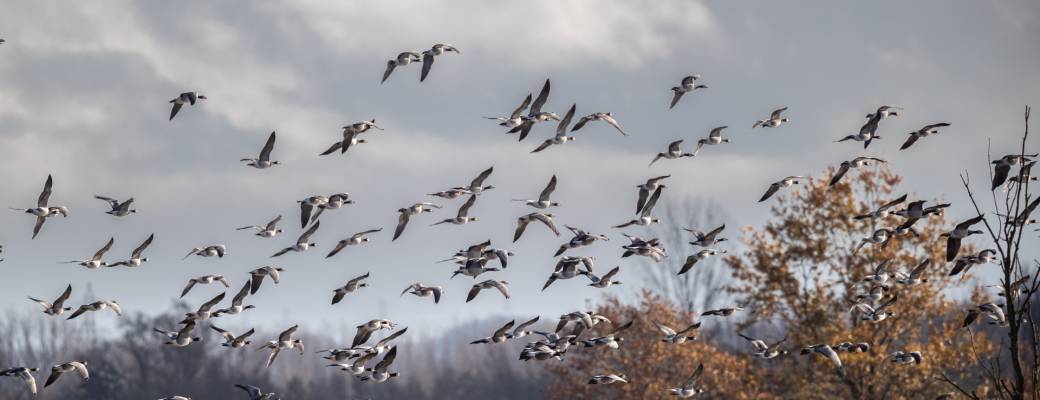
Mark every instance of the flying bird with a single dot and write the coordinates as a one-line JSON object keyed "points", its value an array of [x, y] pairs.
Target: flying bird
{"points": [[264, 159], [521, 223], [926, 131], [690, 386], [645, 217], [118, 209], [688, 84], [462, 217], [182, 99], [204, 280], [420, 290], [599, 116], [136, 257], [783, 183], [535, 114], [561, 132], [98, 306], [351, 286], [961, 231], [80, 367], [854, 163], [353, 240], [95, 261], [543, 200], [502, 286], [774, 120], [428, 57], [266, 231], [1002, 167], [42, 211], [57, 307], [303, 243], [714, 138], [407, 212], [673, 152], [401, 60]]}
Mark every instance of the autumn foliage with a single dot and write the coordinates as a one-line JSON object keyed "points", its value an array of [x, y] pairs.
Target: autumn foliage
{"points": [[796, 277]]}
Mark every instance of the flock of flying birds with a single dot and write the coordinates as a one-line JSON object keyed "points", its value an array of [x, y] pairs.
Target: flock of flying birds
{"points": [[873, 305]]}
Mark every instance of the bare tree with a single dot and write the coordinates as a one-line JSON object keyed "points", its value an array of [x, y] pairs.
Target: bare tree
{"points": [[698, 288], [1006, 224]]}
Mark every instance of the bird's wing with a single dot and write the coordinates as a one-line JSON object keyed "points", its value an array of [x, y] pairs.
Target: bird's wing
{"points": [[390, 65], [111, 202], [909, 142], [387, 360], [844, 168], [504, 329], [212, 302], [675, 98], [543, 146], [526, 324], [479, 180], [402, 222], [392, 336], [108, 246], [287, 334], [649, 206], [464, 210], [692, 380], [539, 101], [544, 196], [519, 110], [265, 153], [241, 295], [769, 193], [191, 284], [144, 245], [967, 224], [502, 288], [176, 108], [561, 127], [427, 63], [473, 292], [64, 295], [1000, 174], [643, 194], [55, 373], [893, 203], [307, 235], [547, 221], [358, 279], [39, 224]]}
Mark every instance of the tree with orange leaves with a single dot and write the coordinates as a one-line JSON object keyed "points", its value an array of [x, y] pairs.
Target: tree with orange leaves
{"points": [[652, 366], [799, 280], [804, 272]]}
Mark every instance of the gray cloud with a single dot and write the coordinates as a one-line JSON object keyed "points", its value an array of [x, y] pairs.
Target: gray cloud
{"points": [[86, 87]]}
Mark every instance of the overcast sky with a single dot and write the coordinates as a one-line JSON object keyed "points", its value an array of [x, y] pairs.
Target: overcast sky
{"points": [[84, 91]]}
